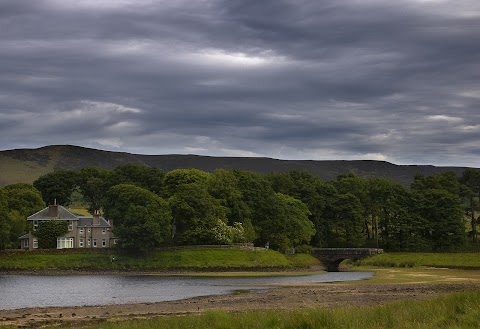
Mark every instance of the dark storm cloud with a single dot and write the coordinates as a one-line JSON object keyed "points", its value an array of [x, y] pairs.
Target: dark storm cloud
{"points": [[347, 79]]}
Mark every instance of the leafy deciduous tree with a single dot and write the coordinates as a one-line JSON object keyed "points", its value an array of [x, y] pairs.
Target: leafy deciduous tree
{"points": [[57, 186], [93, 184], [142, 220], [22, 200], [223, 186], [4, 221], [177, 178], [195, 214], [146, 177], [470, 191]]}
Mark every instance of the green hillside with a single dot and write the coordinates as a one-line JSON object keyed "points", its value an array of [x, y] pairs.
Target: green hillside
{"points": [[25, 165]]}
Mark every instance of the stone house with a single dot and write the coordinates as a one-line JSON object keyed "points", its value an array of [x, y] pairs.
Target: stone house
{"points": [[83, 231]]}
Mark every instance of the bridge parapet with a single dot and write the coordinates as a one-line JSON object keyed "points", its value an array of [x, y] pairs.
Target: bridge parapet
{"points": [[332, 257]]}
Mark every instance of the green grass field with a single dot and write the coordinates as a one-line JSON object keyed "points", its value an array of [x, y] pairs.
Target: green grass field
{"points": [[396, 275], [446, 260], [189, 259]]}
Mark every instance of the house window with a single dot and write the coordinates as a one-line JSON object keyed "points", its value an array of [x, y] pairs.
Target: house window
{"points": [[115, 241], [81, 243], [35, 243], [70, 225], [104, 243], [94, 242], [81, 230], [63, 243], [88, 242], [35, 225], [104, 230], [25, 243], [89, 230]]}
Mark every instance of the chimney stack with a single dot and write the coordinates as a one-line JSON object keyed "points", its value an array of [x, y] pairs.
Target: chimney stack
{"points": [[53, 211], [96, 218]]}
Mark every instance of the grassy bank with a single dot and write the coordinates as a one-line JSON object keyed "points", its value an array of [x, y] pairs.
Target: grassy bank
{"points": [[194, 259], [459, 310], [445, 260], [395, 275]]}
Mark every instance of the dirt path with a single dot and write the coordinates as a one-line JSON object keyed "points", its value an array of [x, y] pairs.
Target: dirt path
{"points": [[284, 297]]}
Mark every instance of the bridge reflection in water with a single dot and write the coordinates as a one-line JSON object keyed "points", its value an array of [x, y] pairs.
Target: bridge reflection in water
{"points": [[332, 257]]}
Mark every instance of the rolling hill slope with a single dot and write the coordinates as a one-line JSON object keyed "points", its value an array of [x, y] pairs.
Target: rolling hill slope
{"points": [[26, 165]]}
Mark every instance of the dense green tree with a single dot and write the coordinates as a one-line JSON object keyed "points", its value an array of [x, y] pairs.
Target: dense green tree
{"points": [[438, 202], [196, 214], [142, 220], [279, 220], [292, 226], [177, 178], [347, 222], [386, 204], [444, 215], [22, 200], [146, 177], [309, 189], [323, 220], [357, 186], [470, 192], [223, 186], [4, 221], [57, 186], [395, 218], [444, 181], [93, 184], [260, 198]]}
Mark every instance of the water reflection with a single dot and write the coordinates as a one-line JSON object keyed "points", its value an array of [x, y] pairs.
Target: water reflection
{"points": [[18, 291]]}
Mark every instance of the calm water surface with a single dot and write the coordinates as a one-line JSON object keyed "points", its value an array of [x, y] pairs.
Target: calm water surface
{"points": [[19, 291]]}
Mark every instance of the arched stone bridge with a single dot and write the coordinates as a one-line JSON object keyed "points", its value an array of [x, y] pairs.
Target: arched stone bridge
{"points": [[332, 257]]}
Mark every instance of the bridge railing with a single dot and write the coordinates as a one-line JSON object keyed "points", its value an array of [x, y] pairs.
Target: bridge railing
{"points": [[348, 251]]}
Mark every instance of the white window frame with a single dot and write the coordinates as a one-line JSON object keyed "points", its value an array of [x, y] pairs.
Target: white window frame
{"points": [[35, 225], [104, 243], [81, 243], [65, 243], [25, 243], [70, 225], [104, 230], [89, 230], [81, 230], [89, 242], [35, 243], [94, 243]]}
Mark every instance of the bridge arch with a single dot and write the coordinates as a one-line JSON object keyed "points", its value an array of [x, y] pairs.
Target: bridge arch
{"points": [[332, 257]]}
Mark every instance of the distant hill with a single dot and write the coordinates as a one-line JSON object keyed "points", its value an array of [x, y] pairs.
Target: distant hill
{"points": [[26, 165]]}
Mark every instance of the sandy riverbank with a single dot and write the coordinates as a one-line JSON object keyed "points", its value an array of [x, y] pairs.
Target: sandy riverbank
{"points": [[281, 297]]}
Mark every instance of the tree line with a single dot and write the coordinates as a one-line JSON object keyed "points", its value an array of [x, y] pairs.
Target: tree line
{"points": [[284, 210]]}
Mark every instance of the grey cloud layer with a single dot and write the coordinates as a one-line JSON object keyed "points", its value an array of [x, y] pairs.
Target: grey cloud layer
{"points": [[350, 79]]}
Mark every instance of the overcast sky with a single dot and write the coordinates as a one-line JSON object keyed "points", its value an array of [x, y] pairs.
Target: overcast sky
{"points": [[292, 79]]}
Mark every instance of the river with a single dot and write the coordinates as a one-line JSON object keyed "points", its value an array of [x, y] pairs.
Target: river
{"points": [[22, 291]]}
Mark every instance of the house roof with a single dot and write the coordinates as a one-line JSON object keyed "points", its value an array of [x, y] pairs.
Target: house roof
{"points": [[57, 212], [86, 221], [25, 236], [54, 212]]}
